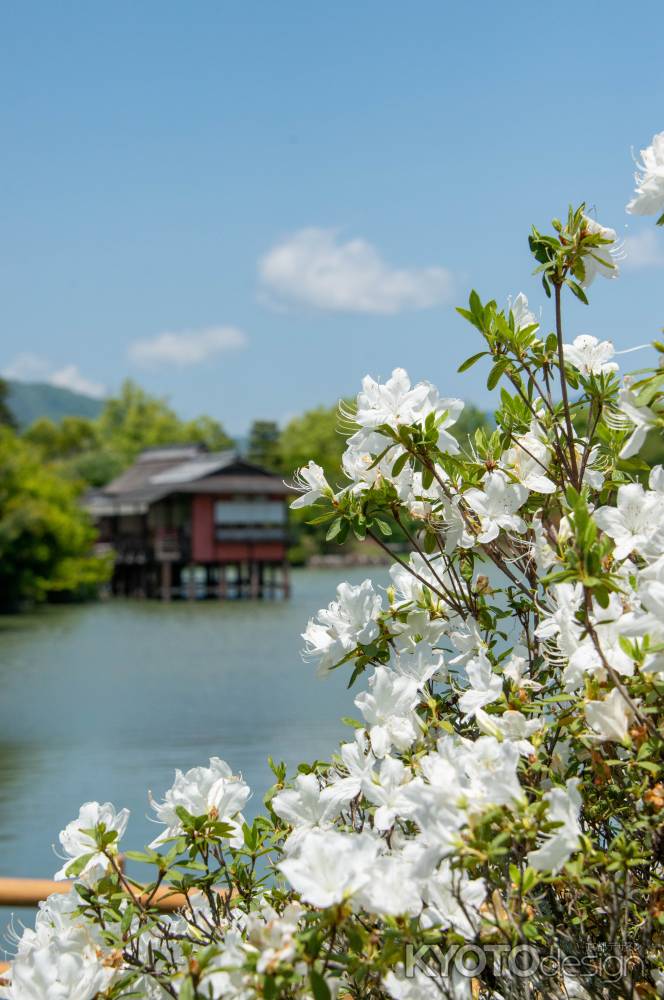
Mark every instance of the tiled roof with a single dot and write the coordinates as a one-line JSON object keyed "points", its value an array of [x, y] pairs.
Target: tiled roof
{"points": [[159, 472]]}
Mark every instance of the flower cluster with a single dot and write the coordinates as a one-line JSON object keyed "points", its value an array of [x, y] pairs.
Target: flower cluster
{"points": [[502, 786]]}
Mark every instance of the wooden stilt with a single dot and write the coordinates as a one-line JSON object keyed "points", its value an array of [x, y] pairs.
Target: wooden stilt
{"points": [[166, 581], [191, 583], [254, 576]]}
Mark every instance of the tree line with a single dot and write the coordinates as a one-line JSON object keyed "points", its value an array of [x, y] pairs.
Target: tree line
{"points": [[47, 539]]}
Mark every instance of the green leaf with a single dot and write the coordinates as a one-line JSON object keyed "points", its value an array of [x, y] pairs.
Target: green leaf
{"points": [[319, 987], [349, 721], [334, 529], [77, 866], [551, 344], [495, 374], [475, 304], [399, 464], [578, 291], [187, 991], [469, 362], [322, 518]]}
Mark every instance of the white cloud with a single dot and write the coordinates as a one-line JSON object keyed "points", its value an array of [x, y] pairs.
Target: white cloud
{"points": [[314, 268], [644, 250], [33, 368], [187, 347], [70, 377], [26, 367]]}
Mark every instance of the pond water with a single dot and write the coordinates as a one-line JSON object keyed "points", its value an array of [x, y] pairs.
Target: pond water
{"points": [[104, 701]]}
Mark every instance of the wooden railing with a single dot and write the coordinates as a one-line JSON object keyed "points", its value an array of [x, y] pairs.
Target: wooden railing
{"points": [[24, 892], [31, 892]]}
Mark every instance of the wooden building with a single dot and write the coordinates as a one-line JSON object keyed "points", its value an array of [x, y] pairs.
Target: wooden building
{"points": [[185, 523]]}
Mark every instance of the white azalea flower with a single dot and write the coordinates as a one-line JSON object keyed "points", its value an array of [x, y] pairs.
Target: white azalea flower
{"points": [[631, 523], [420, 662], [564, 805], [416, 637], [391, 890], [76, 843], [409, 588], [305, 807], [456, 532], [420, 986], [590, 355], [592, 476], [388, 708], [397, 403], [486, 686], [453, 901], [203, 791], [527, 461], [511, 725], [574, 989], [349, 620], [357, 461], [313, 485], [394, 402], [561, 625], [523, 316], [330, 867], [64, 956], [600, 260], [584, 658], [57, 969], [649, 178], [496, 505], [490, 768], [641, 418], [386, 792], [610, 718], [419, 501], [468, 642], [273, 934], [516, 669], [357, 762]]}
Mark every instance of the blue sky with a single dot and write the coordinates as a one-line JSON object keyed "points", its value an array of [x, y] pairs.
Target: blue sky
{"points": [[248, 206]]}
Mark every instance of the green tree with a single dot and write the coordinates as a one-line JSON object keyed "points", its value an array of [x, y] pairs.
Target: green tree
{"points": [[135, 420], [264, 444], [470, 419], [46, 538], [6, 415], [316, 435], [64, 439]]}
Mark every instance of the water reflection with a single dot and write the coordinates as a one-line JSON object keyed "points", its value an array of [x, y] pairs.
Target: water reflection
{"points": [[104, 701]]}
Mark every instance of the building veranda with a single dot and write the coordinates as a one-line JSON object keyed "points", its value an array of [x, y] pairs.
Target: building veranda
{"points": [[182, 522]]}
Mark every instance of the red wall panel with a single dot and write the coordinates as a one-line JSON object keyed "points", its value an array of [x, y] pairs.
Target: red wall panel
{"points": [[202, 528], [204, 547]]}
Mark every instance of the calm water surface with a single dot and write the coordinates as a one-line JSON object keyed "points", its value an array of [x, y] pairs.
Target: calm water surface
{"points": [[103, 701]]}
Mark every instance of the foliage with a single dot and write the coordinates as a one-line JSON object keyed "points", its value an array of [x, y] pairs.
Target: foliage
{"points": [[134, 420], [6, 415], [263, 444], [493, 829], [318, 434], [95, 451], [45, 537]]}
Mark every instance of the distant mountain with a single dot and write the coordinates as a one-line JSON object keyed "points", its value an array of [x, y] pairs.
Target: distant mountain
{"points": [[28, 401]]}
